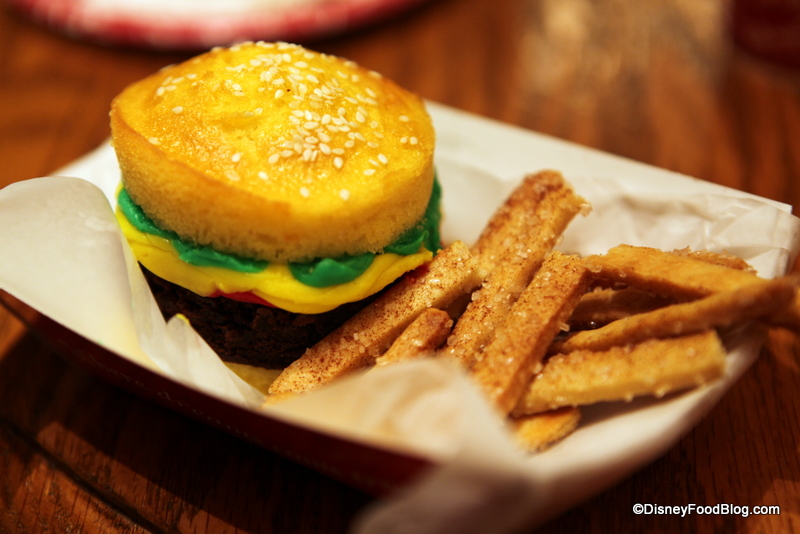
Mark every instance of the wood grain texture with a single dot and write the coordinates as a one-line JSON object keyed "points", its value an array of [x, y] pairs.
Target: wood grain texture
{"points": [[655, 81]]}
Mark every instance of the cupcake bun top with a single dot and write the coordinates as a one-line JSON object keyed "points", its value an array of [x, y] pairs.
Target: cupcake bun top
{"points": [[275, 152]]}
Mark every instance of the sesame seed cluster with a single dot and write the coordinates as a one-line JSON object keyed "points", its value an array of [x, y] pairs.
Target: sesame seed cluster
{"points": [[329, 112]]}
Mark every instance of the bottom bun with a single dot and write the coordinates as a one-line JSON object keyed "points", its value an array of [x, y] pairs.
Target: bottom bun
{"points": [[249, 334]]}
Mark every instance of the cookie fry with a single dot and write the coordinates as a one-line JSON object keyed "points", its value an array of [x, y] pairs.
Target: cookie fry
{"points": [[422, 337], [678, 276], [511, 249], [604, 305], [749, 302], [654, 367], [539, 431], [516, 352]]}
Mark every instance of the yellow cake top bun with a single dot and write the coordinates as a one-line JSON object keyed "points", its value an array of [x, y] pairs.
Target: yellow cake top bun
{"points": [[275, 152]]}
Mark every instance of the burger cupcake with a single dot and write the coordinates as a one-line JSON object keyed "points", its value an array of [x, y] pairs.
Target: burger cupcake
{"points": [[269, 192]]}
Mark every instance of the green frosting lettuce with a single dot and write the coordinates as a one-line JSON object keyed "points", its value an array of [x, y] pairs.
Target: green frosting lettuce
{"points": [[323, 272], [329, 272], [199, 255]]}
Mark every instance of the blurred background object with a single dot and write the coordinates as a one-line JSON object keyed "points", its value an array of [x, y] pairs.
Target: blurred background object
{"points": [[769, 29], [201, 24]]}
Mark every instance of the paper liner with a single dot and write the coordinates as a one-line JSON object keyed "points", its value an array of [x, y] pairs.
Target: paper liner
{"points": [[63, 256]]}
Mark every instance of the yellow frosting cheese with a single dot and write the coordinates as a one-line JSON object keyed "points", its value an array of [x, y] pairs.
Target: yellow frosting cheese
{"points": [[275, 284]]}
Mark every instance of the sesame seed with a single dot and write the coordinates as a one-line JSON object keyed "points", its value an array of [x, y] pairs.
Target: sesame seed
{"points": [[338, 162], [232, 176], [177, 109], [170, 87], [383, 159], [154, 141], [278, 81], [274, 158], [286, 153], [279, 93], [403, 118], [337, 151], [404, 140], [262, 175], [369, 172], [413, 140], [344, 194], [159, 91], [325, 149], [304, 192], [236, 157]]}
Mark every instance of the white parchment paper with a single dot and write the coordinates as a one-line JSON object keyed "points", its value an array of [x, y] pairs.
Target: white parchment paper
{"points": [[60, 252]]}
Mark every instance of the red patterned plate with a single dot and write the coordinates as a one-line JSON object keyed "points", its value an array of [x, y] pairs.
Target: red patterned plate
{"points": [[201, 24]]}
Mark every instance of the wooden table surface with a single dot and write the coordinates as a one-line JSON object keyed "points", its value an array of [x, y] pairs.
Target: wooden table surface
{"points": [[656, 81]]}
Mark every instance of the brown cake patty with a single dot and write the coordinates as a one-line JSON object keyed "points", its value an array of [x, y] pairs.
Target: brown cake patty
{"points": [[245, 333]]}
